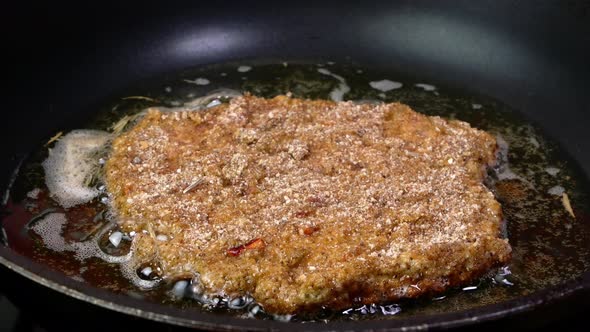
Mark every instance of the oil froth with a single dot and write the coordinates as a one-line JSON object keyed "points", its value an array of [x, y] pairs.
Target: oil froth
{"points": [[72, 164], [338, 93]]}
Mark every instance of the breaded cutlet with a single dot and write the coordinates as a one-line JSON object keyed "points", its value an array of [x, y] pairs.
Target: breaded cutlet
{"points": [[306, 204]]}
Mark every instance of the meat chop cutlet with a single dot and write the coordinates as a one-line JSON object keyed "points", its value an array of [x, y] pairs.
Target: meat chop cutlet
{"points": [[304, 204]]}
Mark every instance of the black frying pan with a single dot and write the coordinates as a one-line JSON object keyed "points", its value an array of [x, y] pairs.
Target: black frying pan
{"points": [[63, 60]]}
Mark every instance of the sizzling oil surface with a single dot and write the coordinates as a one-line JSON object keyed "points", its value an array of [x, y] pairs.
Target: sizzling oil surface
{"points": [[549, 244]]}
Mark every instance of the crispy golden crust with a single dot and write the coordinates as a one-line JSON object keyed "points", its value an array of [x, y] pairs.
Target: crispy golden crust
{"points": [[305, 203]]}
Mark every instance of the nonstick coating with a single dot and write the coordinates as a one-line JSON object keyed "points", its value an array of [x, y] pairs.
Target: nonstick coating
{"points": [[64, 59]]}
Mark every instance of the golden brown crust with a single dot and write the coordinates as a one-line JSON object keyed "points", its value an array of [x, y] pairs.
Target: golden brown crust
{"points": [[306, 203]]}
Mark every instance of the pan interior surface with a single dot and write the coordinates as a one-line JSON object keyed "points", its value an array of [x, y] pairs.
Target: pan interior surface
{"points": [[549, 239]]}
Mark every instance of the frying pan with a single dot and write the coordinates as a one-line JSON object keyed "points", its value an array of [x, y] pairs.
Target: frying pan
{"points": [[64, 59]]}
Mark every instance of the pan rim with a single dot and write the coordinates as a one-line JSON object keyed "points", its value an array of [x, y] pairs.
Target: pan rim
{"points": [[121, 303]]}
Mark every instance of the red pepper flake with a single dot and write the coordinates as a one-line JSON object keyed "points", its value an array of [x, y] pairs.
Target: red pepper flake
{"points": [[253, 244], [236, 251], [310, 230]]}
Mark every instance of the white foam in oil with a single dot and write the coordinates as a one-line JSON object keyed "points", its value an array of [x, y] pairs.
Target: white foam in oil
{"points": [[425, 87], [552, 171], [556, 191], [244, 69], [503, 170], [385, 85], [198, 81], [71, 165], [338, 93], [49, 228]]}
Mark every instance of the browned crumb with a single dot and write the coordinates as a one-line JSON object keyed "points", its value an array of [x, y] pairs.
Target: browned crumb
{"points": [[304, 204]]}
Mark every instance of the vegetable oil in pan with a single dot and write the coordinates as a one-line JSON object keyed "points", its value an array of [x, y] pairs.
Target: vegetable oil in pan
{"points": [[542, 192]]}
